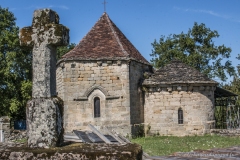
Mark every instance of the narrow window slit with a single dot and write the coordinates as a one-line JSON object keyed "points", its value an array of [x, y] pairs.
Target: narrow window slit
{"points": [[180, 116], [96, 107]]}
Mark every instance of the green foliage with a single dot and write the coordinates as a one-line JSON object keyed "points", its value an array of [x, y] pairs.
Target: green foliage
{"points": [[139, 131], [15, 68], [234, 87], [64, 49], [197, 49], [220, 117], [166, 145]]}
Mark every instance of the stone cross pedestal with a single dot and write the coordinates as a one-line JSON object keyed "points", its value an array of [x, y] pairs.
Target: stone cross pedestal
{"points": [[45, 110]]}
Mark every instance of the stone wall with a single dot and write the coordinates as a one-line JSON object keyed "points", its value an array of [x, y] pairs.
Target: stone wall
{"points": [[136, 77], [162, 104], [75, 151], [79, 82], [226, 132], [59, 79]]}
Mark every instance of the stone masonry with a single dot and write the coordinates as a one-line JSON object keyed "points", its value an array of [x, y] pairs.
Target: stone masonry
{"points": [[161, 110], [79, 82], [82, 82], [173, 87], [137, 99], [45, 110], [106, 65]]}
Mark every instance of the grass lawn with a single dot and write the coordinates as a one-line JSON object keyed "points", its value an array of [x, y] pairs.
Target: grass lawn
{"points": [[166, 145]]}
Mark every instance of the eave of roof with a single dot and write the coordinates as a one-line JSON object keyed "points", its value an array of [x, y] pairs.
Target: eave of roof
{"points": [[220, 92]]}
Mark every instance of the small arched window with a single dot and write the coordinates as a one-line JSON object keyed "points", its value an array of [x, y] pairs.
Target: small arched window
{"points": [[180, 116], [96, 107]]}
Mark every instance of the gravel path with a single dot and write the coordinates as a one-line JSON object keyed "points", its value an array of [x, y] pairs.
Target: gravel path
{"points": [[230, 153]]}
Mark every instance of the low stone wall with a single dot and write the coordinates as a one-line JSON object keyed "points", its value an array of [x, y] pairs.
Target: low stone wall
{"points": [[226, 132], [16, 135], [75, 152]]}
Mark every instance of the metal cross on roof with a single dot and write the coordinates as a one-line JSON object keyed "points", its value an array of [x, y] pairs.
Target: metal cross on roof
{"points": [[104, 3]]}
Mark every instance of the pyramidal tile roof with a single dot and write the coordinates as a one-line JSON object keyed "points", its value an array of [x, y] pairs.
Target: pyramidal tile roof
{"points": [[178, 72], [105, 41]]}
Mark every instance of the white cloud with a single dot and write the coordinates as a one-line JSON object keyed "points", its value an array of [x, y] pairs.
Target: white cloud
{"points": [[209, 12], [50, 6], [61, 7]]}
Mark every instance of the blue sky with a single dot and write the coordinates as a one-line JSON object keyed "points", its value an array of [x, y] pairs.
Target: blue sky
{"points": [[141, 21]]}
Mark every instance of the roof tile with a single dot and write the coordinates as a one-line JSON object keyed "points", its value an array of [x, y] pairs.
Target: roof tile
{"points": [[178, 72], [105, 41]]}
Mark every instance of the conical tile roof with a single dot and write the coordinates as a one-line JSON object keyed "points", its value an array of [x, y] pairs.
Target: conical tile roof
{"points": [[178, 72], [105, 41]]}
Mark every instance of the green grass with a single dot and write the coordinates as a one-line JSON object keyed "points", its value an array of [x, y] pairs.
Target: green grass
{"points": [[166, 145]]}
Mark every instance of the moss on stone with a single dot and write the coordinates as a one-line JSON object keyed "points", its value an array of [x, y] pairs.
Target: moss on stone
{"points": [[26, 36]]}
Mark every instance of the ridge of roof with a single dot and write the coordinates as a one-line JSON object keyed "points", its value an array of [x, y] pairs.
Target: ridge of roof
{"points": [[178, 72], [105, 40], [120, 44]]}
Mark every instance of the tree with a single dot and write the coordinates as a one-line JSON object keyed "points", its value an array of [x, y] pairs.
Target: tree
{"points": [[15, 68], [234, 86], [64, 49], [197, 49]]}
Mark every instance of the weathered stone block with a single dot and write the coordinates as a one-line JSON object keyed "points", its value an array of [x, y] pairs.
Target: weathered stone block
{"points": [[76, 151], [45, 122]]}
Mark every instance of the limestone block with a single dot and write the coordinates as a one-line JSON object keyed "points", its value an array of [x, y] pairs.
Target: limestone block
{"points": [[172, 107], [104, 64], [67, 79], [158, 111], [187, 103], [176, 95], [90, 79], [159, 104], [174, 103], [175, 99], [166, 103], [185, 95], [87, 68], [114, 78]]}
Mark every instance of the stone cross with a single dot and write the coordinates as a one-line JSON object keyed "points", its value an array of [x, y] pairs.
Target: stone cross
{"points": [[104, 3], [44, 113], [44, 36]]}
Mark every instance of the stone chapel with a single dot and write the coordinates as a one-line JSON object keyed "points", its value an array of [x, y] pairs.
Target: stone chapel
{"points": [[105, 81]]}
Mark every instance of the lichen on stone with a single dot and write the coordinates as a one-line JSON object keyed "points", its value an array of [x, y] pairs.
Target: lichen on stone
{"points": [[44, 16]]}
